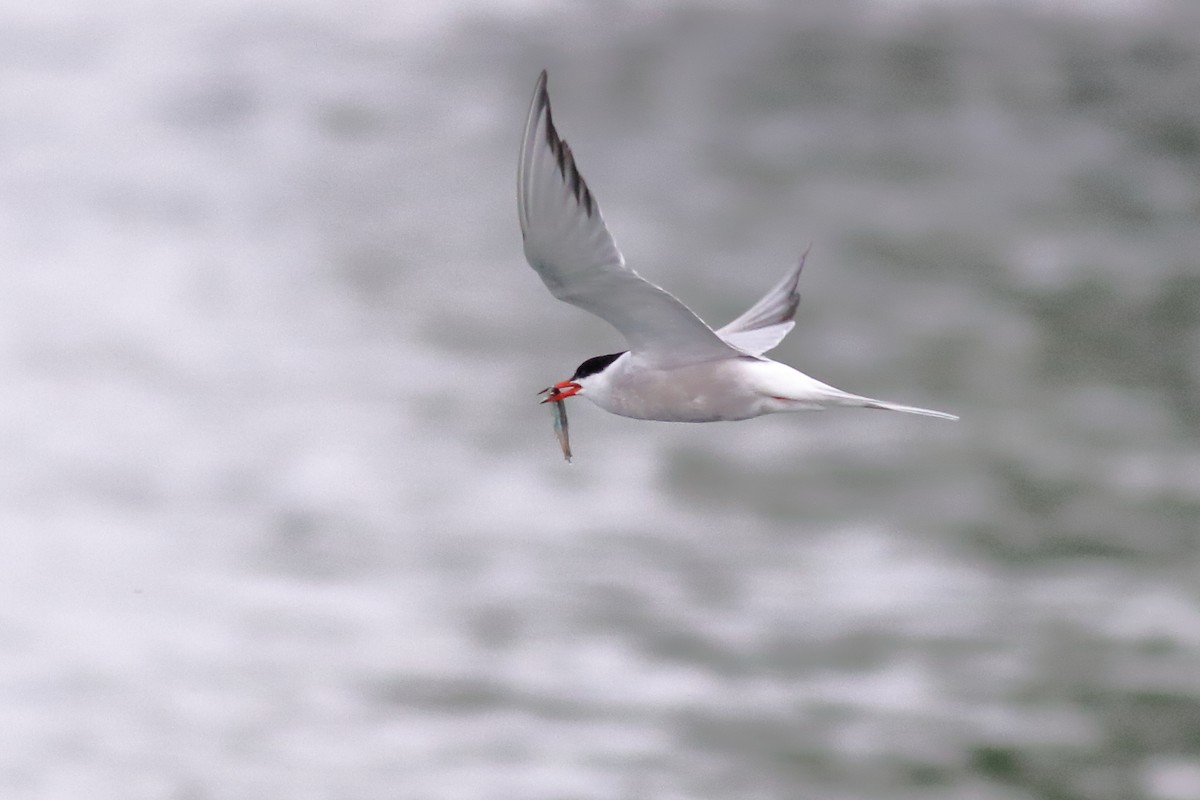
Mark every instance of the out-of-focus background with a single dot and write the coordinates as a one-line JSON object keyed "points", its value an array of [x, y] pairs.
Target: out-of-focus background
{"points": [[280, 517]]}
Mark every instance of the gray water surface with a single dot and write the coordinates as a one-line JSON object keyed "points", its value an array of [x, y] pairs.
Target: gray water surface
{"points": [[279, 514]]}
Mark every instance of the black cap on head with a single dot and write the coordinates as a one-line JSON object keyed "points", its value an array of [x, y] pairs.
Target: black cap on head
{"points": [[595, 364]]}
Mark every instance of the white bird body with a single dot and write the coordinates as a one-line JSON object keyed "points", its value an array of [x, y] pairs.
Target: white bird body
{"points": [[716, 391], [677, 368]]}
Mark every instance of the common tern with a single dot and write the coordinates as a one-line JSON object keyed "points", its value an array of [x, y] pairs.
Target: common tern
{"points": [[677, 368]]}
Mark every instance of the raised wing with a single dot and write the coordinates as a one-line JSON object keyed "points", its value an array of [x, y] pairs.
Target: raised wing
{"points": [[765, 323], [568, 245], [760, 340]]}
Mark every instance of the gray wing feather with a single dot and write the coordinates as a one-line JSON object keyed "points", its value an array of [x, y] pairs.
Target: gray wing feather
{"points": [[765, 323], [569, 246], [759, 340]]}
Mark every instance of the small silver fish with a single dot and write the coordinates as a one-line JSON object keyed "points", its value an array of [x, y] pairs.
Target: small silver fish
{"points": [[560, 428]]}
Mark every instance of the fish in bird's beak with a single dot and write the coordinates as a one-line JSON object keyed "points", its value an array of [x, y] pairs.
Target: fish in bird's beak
{"points": [[555, 395], [560, 429], [560, 391]]}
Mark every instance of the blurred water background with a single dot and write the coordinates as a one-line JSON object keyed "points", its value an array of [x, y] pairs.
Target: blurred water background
{"points": [[280, 518]]}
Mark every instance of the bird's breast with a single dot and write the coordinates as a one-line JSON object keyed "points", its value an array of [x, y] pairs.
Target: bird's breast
{"points": [[708, 392]]}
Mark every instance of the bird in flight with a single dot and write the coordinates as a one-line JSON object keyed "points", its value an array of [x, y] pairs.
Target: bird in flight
{"points": [[677, 368]]}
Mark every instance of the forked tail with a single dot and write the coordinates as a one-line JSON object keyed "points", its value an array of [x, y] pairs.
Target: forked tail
{"points": [[925, 412]]}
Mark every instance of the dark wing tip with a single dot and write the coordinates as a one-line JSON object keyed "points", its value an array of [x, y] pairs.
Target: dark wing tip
{"points": [[571, 174], [539, 88], [793, 288], [563, 155], [803, 258]]}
